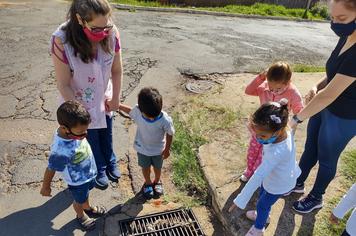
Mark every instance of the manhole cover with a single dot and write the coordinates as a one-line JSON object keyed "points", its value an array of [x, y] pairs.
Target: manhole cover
{"points": [[199, 86], [180, 222]]}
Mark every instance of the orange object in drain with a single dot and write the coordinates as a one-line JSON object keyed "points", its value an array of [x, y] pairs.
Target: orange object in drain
{"points": [[157, 202]]}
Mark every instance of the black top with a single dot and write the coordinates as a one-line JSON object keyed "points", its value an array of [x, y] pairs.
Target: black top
{"points": [[345, 105]]}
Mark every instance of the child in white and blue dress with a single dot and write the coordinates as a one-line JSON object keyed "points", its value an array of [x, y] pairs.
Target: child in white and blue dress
{"points": [[278, 171]]}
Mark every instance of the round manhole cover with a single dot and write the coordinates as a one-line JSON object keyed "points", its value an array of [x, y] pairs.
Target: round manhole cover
{"points": [[199, 86]]}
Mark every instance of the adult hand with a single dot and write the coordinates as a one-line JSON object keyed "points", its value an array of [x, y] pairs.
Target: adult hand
{"points": [[46, 191], [111, 105], [166, 153], [310, 95], [333, 219]]}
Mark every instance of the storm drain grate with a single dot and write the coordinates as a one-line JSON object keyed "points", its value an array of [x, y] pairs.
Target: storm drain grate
{"points": [[180, 222]]}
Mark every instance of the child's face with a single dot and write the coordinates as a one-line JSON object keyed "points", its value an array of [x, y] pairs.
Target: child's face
{"points": [[277, 87], [262, 133], [78, 132]]}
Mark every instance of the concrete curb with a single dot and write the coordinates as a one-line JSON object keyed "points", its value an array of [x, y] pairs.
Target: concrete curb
{"points": [[210, 13]]}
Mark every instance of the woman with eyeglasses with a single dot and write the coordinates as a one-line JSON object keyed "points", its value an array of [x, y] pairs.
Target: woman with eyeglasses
{"points": [[88, 67], [331, 108]]}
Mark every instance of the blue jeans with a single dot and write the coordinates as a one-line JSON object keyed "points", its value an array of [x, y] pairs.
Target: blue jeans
{"points": [[100, 141], [264, 204], [327, 137]]}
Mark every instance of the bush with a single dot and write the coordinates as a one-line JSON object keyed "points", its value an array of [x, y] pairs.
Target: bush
{"points": [[321, 10]]}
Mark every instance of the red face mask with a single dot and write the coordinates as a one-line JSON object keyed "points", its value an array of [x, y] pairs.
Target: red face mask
{"points": [[95, 36]]}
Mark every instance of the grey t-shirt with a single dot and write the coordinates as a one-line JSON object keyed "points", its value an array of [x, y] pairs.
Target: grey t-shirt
{"points": [[150, 135]]}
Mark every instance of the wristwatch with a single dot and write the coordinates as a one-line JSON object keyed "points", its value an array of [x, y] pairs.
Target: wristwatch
{"points": [[296, 119]]}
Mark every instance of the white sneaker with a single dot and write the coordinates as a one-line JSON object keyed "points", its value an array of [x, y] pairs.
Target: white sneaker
{"points": [[243, 178], [254, 232], [252, 215]]}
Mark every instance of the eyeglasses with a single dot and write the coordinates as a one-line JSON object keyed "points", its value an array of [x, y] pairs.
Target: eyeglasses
{"points": [[95, 29]]}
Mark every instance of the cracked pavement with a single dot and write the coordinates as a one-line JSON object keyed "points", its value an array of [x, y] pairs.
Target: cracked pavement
{"points": [[157, 48]]}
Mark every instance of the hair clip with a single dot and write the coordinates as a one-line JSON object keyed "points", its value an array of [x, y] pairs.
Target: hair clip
{"points": [[276, 119]]}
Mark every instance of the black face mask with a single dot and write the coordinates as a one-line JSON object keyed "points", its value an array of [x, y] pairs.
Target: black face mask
{"points": [[343, 30], [72, 135]]}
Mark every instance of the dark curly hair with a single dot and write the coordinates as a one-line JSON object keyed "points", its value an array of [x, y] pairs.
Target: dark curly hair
{"points": [[271, 116], [150, 102]]}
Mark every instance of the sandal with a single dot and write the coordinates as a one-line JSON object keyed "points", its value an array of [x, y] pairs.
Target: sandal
{"points": [[86, 223], [158, 188], [95, 211]]}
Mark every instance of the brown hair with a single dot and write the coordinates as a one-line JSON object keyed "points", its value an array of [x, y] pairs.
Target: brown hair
{"points": [[279, 72], [72, 113], [350, 4], [74, 31], [150, 102]]}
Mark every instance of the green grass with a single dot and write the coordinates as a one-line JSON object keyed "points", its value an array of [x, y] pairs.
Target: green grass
{"points": [[307, 68], [348, 172], [262, 9], [187, 174], [205, 119], [194, 126], [184, 199]]}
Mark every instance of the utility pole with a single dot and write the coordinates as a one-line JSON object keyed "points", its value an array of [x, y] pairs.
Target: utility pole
{"points": [[305, 15]]}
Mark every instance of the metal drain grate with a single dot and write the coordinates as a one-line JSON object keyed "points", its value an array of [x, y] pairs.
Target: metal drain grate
{"points": [[180, 222]]}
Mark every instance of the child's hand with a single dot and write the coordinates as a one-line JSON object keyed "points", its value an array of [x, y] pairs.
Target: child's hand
{"points": [[310, 95], [166, 153], [333, 219], [46, 191], [263, 74], [232, 207], [293, 125]]}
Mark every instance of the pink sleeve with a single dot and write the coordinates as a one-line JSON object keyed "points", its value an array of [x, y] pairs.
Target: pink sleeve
{"points": [[253, 87], [296, 101], [117, 43]]}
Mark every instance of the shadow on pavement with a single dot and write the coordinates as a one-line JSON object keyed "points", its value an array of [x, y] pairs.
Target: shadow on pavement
{"points": [[39, 220]]}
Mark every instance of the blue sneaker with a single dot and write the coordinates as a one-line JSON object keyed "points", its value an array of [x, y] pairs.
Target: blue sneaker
{"points": [[307, 204], [113, 174], [148, 191], [299, 188], [101, 181]]}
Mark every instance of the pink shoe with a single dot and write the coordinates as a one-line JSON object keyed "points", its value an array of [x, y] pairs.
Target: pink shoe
{"points": [[254, 232], [252, 215]]}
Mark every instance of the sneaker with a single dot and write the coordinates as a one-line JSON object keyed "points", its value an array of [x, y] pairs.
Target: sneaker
{"points": [[244, 178], [101, 182], [296, 189], [252, 215], [158, 188], [113, 174], [307, 204], [148, 191], [254, 232]]}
